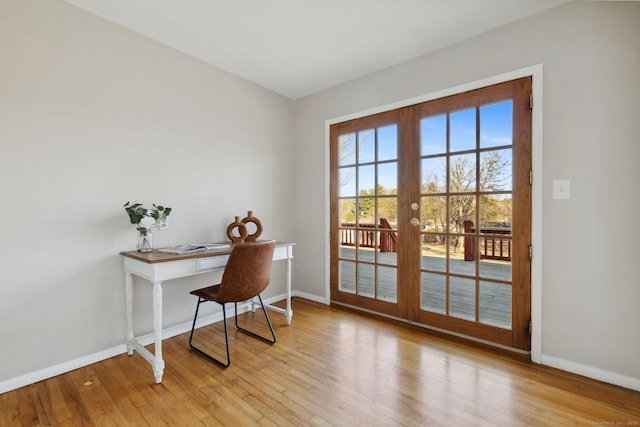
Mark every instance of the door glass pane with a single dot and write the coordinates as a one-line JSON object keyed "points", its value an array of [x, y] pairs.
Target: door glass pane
{"points": [[366, 280], [461, 208], [347, 208], [495, 170], [347, 228], [433, 135], [434, 175], [347, 251], [496, 211], [387, 283], [347, 182], [347, 149], [496, 126], [462, 173], [462, 298], [462, 128], [366, 146], [388, 212], [434, 252], [347, 276], [387, 252], [388, 143], [366, 254], [495, 268], [495, 247], [366, 180], [387, 240], [366, 212], [495, 304], [388, 178], [434, 291], [458, 250], [434, 213]]}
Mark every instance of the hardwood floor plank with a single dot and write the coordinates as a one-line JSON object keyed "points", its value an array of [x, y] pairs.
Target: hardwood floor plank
{"points": [[331, 367], [48, 414], [130, 398], [28, 414], [116, 383]]}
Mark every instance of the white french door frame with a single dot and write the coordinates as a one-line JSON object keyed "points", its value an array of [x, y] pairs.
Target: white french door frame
{"points": [[535, 71]]}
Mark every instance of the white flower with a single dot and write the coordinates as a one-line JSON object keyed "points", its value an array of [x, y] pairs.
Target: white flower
{"points": [[146, 222]]}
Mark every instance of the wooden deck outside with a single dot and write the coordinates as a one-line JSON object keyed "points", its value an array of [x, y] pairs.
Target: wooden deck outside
{"points": [[495, 297]]}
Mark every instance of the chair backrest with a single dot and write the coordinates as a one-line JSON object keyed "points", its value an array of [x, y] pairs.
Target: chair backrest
{"points": [[248, 271]]}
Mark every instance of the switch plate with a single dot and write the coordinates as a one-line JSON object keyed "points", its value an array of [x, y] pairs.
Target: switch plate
{"points": [[561, 189]]}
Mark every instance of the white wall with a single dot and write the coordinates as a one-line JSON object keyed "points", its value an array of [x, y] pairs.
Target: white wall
{"points": [[590, 52], [91, 116]]}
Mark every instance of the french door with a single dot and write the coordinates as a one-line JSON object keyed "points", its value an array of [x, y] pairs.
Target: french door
{"points": [[431, 213]]}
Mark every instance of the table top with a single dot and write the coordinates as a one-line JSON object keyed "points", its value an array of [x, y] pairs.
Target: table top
{"points": [[156, 256]]}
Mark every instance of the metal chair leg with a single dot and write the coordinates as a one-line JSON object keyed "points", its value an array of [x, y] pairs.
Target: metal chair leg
{"points": [[253, 334], [226, 337]]}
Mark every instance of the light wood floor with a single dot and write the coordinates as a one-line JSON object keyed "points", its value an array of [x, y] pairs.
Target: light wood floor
{"points": [[331, 367]]}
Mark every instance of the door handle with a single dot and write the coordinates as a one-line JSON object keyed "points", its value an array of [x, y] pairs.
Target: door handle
{"points": [[415, 222]]}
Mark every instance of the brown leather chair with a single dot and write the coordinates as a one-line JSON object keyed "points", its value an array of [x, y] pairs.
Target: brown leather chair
{"points": [[245, 276]]}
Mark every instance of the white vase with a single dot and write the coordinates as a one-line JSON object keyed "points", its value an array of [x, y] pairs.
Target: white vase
{"points": [[145, 240]]}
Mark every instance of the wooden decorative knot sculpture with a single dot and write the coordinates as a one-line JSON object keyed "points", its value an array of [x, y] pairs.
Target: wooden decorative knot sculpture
{"points": [[242, 231], [252, 219]]}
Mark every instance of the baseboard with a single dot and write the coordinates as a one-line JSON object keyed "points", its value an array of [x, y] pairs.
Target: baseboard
{"points": [[171, 331], [311, 297], [52, 371], [591, 372]]}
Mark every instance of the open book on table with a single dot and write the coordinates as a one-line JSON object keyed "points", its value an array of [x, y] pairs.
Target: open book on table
{"points": [[193, 248]]}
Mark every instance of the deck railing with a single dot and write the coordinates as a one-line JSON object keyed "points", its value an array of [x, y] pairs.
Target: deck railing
{"points": [[365, 236], [492, 245]]}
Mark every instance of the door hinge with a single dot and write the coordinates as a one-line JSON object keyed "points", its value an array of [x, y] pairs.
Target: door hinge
{"points": [[530, 327], [530, 176], [531, 101], [530, 252]]}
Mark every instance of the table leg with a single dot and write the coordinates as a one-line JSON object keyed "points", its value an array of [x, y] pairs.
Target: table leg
{"points": [[289, 313], [158, 362], [128, 290]]}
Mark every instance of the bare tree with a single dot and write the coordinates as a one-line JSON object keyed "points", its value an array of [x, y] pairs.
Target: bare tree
{"points": [[492, 175]]}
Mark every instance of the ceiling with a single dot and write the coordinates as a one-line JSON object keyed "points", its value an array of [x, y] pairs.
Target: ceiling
{"points": [[299, 47]]}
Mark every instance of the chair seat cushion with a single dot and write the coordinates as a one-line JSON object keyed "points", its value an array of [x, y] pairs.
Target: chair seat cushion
{"points": [[209, 293]]}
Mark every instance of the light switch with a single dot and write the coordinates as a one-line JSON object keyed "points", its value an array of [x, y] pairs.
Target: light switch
{"points": [[561, 189]]}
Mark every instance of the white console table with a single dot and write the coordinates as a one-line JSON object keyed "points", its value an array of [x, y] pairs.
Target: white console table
{"points": [[157, 267]]}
